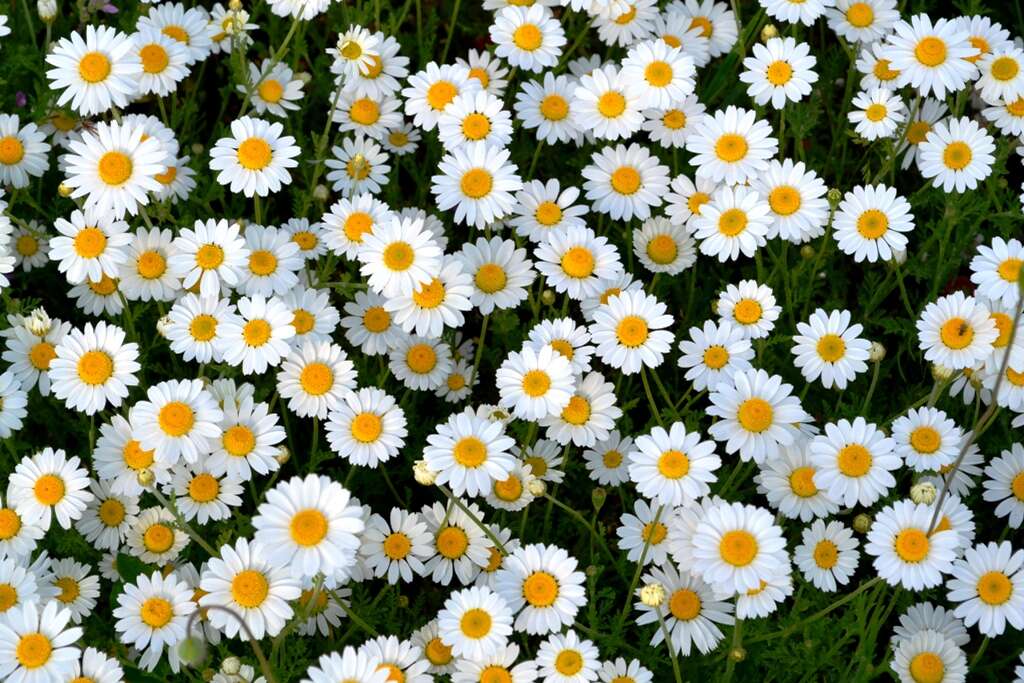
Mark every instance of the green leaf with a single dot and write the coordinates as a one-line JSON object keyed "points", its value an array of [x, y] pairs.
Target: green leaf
{"points": [[130, 567]]}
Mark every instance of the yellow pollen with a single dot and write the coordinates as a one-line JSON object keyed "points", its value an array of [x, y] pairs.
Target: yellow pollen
{"points": [[731, 147], [860, 15], [256, 332], [176, 418], [801, 482], [11, 150], [738, 547], [779, 73], [626, 180], [684, 604], [554, 107], [452, 542], [912, 545], [156, 612], [578, 262], [421, 358], [826, 554], [957, 155], [440, 95], [611, 104], [94, 67], [755, 415], [662, 249], [476, 183], [536, 383], [872, 224], [308, 527], [430, 295], [732, 222], [250, 588], [254, 154], [95, 367], [577, 412], [528, 37], [154, 58], [956, 333], [930, 51], [476, 126], [632, 331], [90, 242], [490, 278], [831, 348], [673, 464], [239, 441], [658, 73], [271, 90], [33, 652]]}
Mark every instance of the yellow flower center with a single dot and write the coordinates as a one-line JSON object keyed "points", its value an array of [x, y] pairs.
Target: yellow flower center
{"points": [[509, 489], [250, 588], [94, 67], [239, 441], [957, 155], [203, 488], [912, 545], [490, 278], [755, 415], [925, 439], [90, 242], [1005, 69], [397, 546], [1009, 270], [568, 662], [860, 15], [256, 332], [430, 295], [452, 542], [27, 245], [548, 213], [578, 262], [376, 319], [716, 357], [49, 489], [10, 524], [158, 538], [366, 427], [476, 183], [476, 126], [475, 623], [154, 58], [203, 327], [554, 107], [303, 321], [316, 379], [872, 224], [927, 667], [209, 256], [364, 111], [156, 612], [151, 265], [732, 222], [779, 72], [577, 412], [658, 73], [440, 95], [33, 650], [831, 348], [176, 418], [254, 154], [684, 604], [673, 464], [785, 200], [41, 355], [111, 512], [854, 460], [738, 547], [801, 482], [177, 33], [11, 150], [632, 331], [115, 168], [956, 333], [731, 147], [421, 358], [437, 652], [470, 452], [262, 262], [662, 249], [918, 131], [930, 51], [528, 37], [826, 554], [611, 104], [308, 527], [876, 112], [994, 588], [136, 458], [271, 90]]}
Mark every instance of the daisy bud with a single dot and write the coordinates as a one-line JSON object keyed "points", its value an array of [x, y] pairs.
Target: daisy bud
{"points": [[208, 675], [235, 5], [768, 32], [231, 666], [47, 10], [714, 307], [145, 477], [283, 454], [403, 601], [423, 474], [64, 190], [192, 651], [591, 571], [304, 76], [923, 492], [807, 252], [597, 497], [38, 322], [197, 148], [537, 487], [899, 257], [320, 193], [163, 325], [547, 297], [737, 654], [862, 523], [876, 353], [834, 195], [940, 373], [652, 595]]}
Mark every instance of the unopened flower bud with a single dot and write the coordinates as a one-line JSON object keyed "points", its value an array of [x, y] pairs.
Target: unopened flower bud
{"points": [[834, 195], [807, 252], [145, 477], [537, 487], [208, 675], [547, 297], [737, 654], [304, 76], [235, 5], [591, 571], [899, 257], [283, 455], [192, 651], [652, 595], [320, 193], [231, 666], [940, 373], [876, 352], [163, 326], [862, 523], [597, 497], [403, 601], [47, 10], [768, 32], [923, 492], [38, 322], [423, 474], [64, 190], [197, 148]]}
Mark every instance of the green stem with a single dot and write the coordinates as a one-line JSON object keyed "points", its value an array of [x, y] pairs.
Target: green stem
{"points": [[593, 532], [671, 648], [650, 396], [819, 614], [624, 614], [356, 619], [476, 520], [871, 387], [451, 30]]}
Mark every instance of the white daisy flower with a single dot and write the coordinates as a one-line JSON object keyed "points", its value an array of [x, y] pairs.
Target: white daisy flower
{"points": [[606, 106], [164, 60], [929, 112], [30, 356], [96, 72], [714, 353], [197, 326], [118, 459], [736, 547], [255, 158], [541, 208], [191, 27], [996, 270], [590, 415], [854, 462], [877, 113], [716, 22], [179, 419], [731, 145], [273, 263], [258, 338], [47, 485], [926, 439], [152, 613], [661, 75], [830, 348], [37, 643], [630, 333], [862, 21], [478, 182], [670, 127], [691, 612], [931, 56], [432, 90], [108, 516], [500, 273], [23, 152], [566, 658], [419, 363], [351, 664], [549, 107], [905, 553], [870, 223], [145, 275], [957, 153], [625, 182], [469, 453], [686, 198], [606, 461], [988, 584], [956, 331], [929, 655], [788, 483], [275, 90], [211, 254], [1002, 75], [827, 555], [528, 38], [357, 166], [397, 546], [202, 496], [568, 338], [736, 221], [76, 589], [781, 70], [366, 115], [93, 367], [1004, 484], [314, 378], [435, 304], [249, 441], [924, 616], [462, 548], [673, 467], [475, 118]]}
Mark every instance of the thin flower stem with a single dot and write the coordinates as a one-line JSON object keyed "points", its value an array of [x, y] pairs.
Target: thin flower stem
{"points": [[278, 54], [624, 614], [593, 532], [185, 526], [451, 30], [871, 387], [356, 619], [650, 396], [479, 351], [257, 650], [668, 643], [819, 614], [476, 520]]}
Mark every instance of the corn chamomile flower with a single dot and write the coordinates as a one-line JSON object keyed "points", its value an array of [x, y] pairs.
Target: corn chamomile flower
{"points": [[248, 443], [671, 126], [164, 60], [366, 116], [575, 260], [93, 367], [928, 655], [629, 331], [37, 644], [273, 263], [542, 587], [827, 555], [419, 363], [475, 118], [258, 338], [500, 273], [736, 547], [350, 664], [926, 439], [197, 324], [31, 246], [30, 355], [155, 536], [179, 419], [905, 553], [625, 22], [870, 223], [854, 462], [606, 106], [714, 352], [94, 72], [190, 27], [275, 90], [314, 378], [1007, 116], [401, 140], [661, 75], [145, 274], [255, 158], [996, 269], [203, 496], [434, 304], [543, 207], [1004, 484], [830, 348], [488, 70], [788, 483], [731, 145], [502, 666], [956, 331], [956, 153], [357, 166], [18, 586], [1002, 75], [48, 484], [399, 256], [528, 38], [716, 22], [691, 612], [988, 584], [549, 107], [350, 219], [107, 517], [932, 57], [877, 113], [478, 182], [396, 547], [212, 254], [589, 416], [759, 415], [430, 91], [119, 458], [625, 182], [876, 69], [862, 21], [621, 671], [780, 71], [686, 198], [23, 152], [475, 622], [368, 325], [152, 613], [673, 467], [736, 221], [469, 453], [308, 235], [924, 616]]}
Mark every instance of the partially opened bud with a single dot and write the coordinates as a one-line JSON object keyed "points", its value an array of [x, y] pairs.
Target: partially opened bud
{"points": [[652, 595], [423, 474]]}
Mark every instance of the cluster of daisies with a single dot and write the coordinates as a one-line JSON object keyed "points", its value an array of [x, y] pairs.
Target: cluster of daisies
{"points": [[264, 340]]}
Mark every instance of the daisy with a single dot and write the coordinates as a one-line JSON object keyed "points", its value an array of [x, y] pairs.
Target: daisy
{"points": [[629, 334], [1002, 75], [190, 27], [114, 167], [870, 222], [606, 461], [49, 484], [401, 140], [461, 546], [18, 537], [98, 667], [93, 367], [350, 219], [830, 348], [419, 363], [119, 458], [627, 22], [314, 378], [351, 664], [735, 221], [152, 612], [621, 671], [827, 555], [37, 643], [431, 91], [179, 419], [781, 70], [670, 127], [590, 415], [145, 274], [931, 57], [641, 533], [108, 516], [255, 158], [542, 208], [758, 412], [549, 107], [854, 462], [248, 443], [1007, 116], [568, 338], [202, 496], [929, 112], [606, 105], [661, 75], [673, 467], [31, 246], [30, 356], [926, 439], [197, 324], [575, 261], [788, 483], [98, 297], [356, 49], [469, 453], [398, 256], [435, 304], [924, 616], [737, 546], [1004, 484], [275, 90], [177, 181], [366, 115], [459, 384], [501, 666], [529, 38], [23, 152], [368, 325], [625, 182], [566, 658], [996, 269], [77, 590], [905, 553], [357, 166], [273, 263], [381, 75], [211, 254], [475, 118], [545, 459], [714, 353], [18, 586], [489, 71], [686, 199], [862, 21], [96, 72], [13, 402], [877, 114], [478, 182], [957, 154], [731, 145], [988, 584], [512, 494], [716, 22], [397, 546], [258, 338], [956, 331], [309, 236], [475, 622], [929, 656], [164, 62], [400, 658], [535, 384], [500, 273], [310, 526], [691, 612]]}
